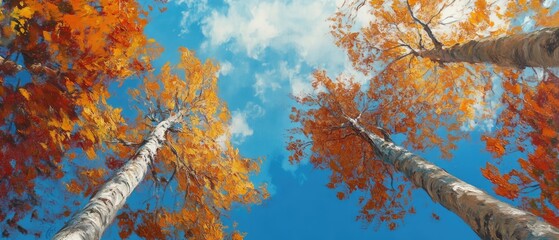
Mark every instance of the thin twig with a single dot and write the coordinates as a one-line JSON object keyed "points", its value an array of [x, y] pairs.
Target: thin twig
{"points": [[438, 45]]}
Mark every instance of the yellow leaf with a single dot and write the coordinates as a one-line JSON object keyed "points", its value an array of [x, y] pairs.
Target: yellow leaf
{"points": [[90, 153], [66, 124], [190, 151], [152, 86], [239, 166], [53, 134], [44, 145], [89, 135], [24, 93], [26, 12]]}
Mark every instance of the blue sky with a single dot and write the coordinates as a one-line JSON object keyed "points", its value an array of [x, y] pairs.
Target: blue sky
{"points": [[267, 50]]}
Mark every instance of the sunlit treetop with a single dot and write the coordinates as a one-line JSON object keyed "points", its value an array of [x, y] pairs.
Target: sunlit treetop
{"points": [[327, 139], [390, 50], [198, 167], [407, 40]]}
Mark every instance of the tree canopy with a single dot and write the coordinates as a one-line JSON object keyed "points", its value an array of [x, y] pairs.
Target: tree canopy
{"points": [[58, 59], [432, 71]]}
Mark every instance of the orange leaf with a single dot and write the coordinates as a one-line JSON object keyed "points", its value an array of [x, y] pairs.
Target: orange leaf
{"points": [[548, 132], [74, 187], [24, 93]]}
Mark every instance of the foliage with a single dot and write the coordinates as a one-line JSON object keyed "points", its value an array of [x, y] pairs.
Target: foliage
{"points": [[56, 57], [529, 124], [392, 46], [406, 94], [389, 51], [355, 165], [198, 161]]}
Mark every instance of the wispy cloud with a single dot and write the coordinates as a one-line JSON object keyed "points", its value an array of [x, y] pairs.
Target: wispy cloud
{"points": [[263, 30], [239, 127], [225, 67], [195, 11]]}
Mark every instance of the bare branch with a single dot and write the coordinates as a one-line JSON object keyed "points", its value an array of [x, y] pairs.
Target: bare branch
{"points": [[438, 45], [125, 143], [10, 67], [398, 59], [445, 5], [420, 40]]}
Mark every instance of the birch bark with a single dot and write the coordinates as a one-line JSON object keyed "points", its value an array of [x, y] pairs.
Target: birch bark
{"points": [[97, 215], [487, 216], [536, 49]]}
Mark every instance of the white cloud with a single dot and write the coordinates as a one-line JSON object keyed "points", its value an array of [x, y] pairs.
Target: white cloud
{"points": [[296, 28], [254, 110], [300, 84], [264, 82], [239, 128], [195, 9], [225, 68], [253, 26], [221, 140]]}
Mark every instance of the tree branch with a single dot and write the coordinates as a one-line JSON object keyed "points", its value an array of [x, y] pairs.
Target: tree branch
{"points": [[125, 143], [10, 67], [438, 45], [440, 10]]}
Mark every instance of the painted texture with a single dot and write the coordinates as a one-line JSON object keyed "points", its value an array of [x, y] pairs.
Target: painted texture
{"points": [[98, 214], [536, 49], [487, 216]]}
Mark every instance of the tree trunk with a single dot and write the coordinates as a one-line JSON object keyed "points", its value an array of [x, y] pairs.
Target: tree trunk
{"points": [[487, 216], [536, 49], [97, 215]]}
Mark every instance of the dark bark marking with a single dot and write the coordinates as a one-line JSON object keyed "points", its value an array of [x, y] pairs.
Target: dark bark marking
{"points": [[552, 43], [478, 224], [486, 219]]}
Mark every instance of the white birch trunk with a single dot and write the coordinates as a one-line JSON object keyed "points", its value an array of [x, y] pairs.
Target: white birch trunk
{"points": [[97, 215], [536, 49], [487, 216]]}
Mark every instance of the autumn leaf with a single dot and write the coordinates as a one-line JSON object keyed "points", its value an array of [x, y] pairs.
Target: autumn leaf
{"points": [[495, 146], [237, 236], [212, 176], [66, 57], [528, 122], [548, 132], [24, 93], [74, 187]]}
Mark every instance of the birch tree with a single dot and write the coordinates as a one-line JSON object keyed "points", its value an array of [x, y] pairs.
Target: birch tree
{"points": [[189, 144], [536, 49], [346, 135], [467, 52]]}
